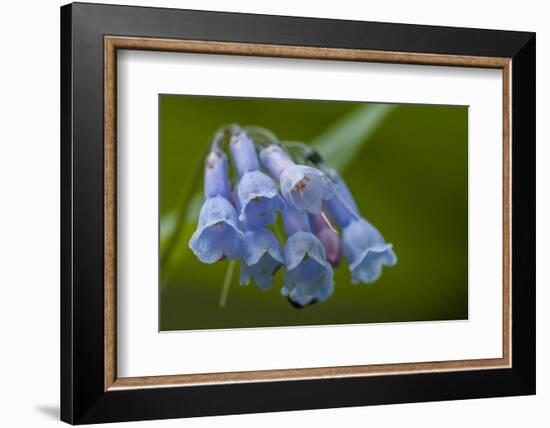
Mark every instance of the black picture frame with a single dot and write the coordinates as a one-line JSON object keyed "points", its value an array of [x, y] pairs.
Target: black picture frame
{"points": [[83, 396]]}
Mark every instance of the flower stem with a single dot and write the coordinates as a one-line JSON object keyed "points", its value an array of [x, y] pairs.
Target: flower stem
{"points": [[183, 204], [262, 135], [222, 135], [226, 283], [278, 233]]}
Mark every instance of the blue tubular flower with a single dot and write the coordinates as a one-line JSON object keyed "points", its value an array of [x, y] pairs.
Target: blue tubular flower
{"points": [[257, 194], [216, 179], [341, 189], [366, 251], [217, 235], [306, 188], [258, 199], [302, 186], [244, 153], [364, 246], [308, 277], [295, 221], [342, 206], [275, 160], [262, 258]]}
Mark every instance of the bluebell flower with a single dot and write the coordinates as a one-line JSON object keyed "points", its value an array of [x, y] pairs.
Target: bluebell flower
{"points": [[216, 179], [218, 235], [258, 199], [257, 194], [342, 190], [308, 277], [262, 258], [295, 221], [303, 186], [364, 246], [275, 160], [342, 206], [306, 188], [244, 153], [366, 251]]}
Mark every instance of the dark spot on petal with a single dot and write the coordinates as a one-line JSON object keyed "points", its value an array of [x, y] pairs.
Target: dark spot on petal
{"points": [[301, 185], [256, 199]]}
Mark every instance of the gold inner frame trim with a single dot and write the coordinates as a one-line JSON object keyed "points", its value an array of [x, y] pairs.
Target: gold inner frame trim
{"points": [[113, 43]]}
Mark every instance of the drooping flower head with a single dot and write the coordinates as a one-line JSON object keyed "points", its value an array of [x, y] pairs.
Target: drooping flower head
{"points": [[303, 186], [233, 217], [218, 235], [308, 277], [257, 193], [262, 258], [364, 246]]}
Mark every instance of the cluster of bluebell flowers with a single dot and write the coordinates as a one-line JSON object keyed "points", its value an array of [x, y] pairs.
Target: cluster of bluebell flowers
{"points": [[237, 219]]}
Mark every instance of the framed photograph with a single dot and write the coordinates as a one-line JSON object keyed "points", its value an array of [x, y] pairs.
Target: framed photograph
{"points": [[266, 213]]}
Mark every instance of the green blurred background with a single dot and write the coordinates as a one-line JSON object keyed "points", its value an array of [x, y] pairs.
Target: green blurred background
{"points": [[406, 165]]}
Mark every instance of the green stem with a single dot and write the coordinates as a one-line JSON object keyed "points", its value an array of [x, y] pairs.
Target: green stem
{"points": [[277, 231], [226, 283], [262, 135], [186, 194]]}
